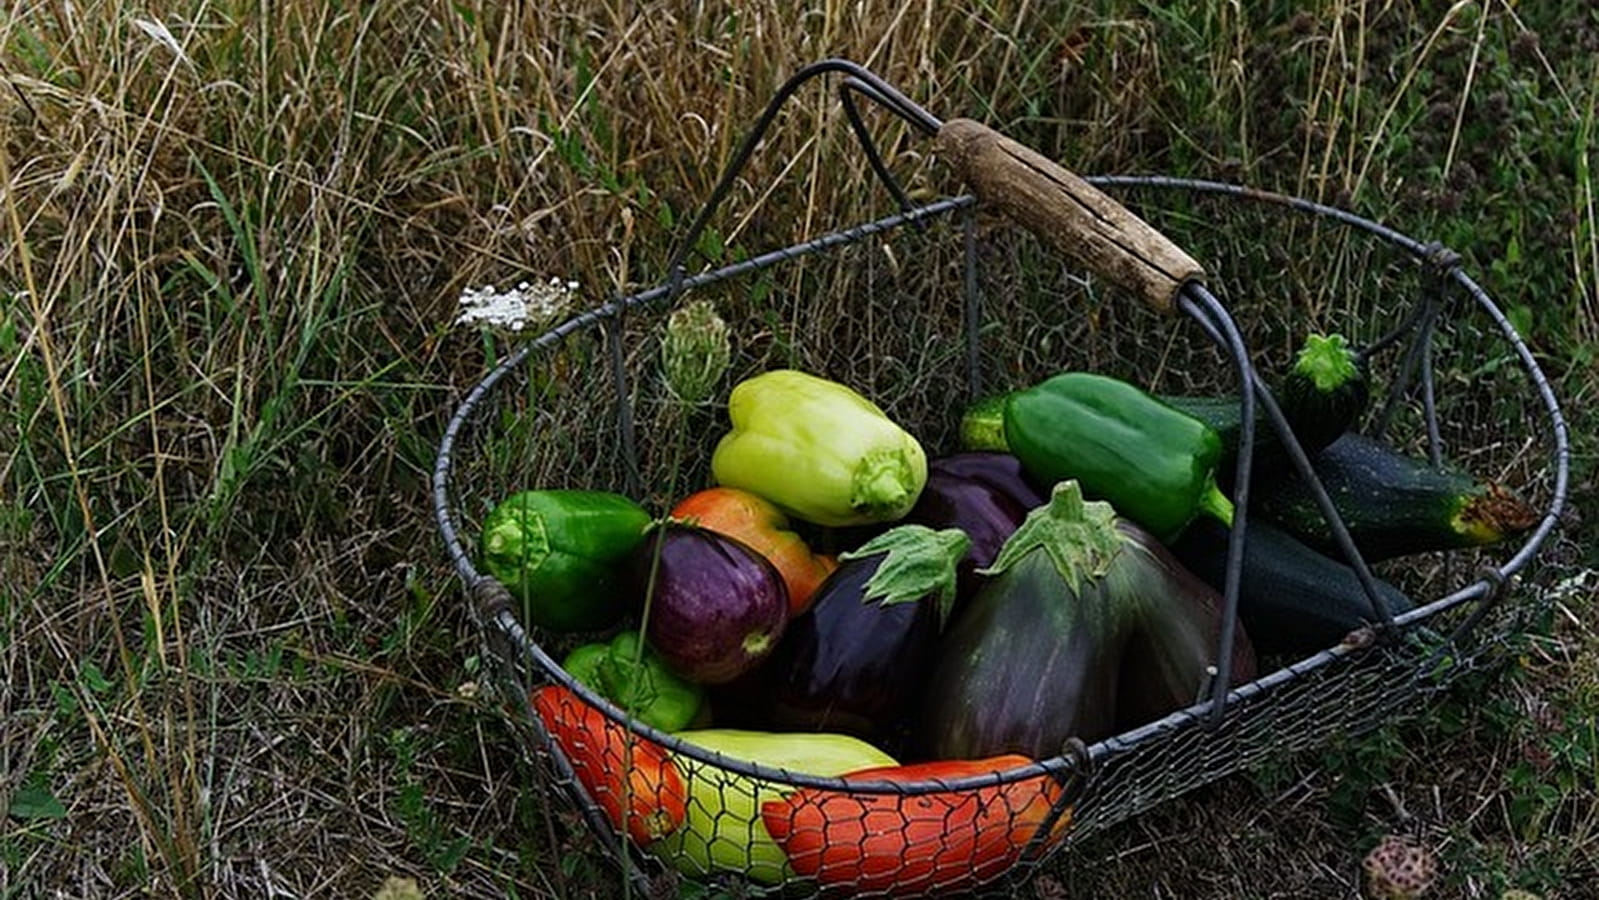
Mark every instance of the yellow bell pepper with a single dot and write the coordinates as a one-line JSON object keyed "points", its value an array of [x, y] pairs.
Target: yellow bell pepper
{"points": [[722, 827], [819, 451]]}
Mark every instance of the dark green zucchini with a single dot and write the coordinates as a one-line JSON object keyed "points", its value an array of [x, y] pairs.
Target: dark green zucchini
{"points": [[1291, 599], [1321, 397], [1326, 391], [1225, 417], [1393, 504]]}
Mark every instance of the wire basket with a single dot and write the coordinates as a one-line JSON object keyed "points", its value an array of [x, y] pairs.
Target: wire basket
{"points": [[950, 304]]}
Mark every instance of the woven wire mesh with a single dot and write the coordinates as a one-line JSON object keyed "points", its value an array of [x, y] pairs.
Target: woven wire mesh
{"points": [[923, 319]]}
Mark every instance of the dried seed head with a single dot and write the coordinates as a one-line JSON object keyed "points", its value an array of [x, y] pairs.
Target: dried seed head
{"points": [[1398, 869], [696, 351]]}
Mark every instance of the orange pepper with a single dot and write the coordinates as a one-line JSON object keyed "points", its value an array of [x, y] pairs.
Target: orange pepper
{"points": [[616, 767], [914, 844], [746, 517]]}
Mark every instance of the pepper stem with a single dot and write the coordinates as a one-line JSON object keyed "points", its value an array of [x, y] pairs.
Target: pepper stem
{"points": [[1215, 503], [879, 483]]}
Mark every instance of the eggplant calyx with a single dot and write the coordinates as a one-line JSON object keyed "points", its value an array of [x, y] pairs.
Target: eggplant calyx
{"points": [[757, 643], [1079, 537], [915, 562]]}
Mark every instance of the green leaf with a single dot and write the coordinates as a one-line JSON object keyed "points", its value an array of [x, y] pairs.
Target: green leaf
{"points": [[92, 678], [36, 802]]}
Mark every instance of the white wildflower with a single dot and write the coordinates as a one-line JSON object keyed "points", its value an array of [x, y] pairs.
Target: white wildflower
{"points": [[517, 308]]}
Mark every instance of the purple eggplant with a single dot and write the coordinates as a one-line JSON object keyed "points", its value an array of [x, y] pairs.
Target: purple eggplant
{"points": [[1086, 622], [853, 661], [984, 494], [716, 608], [1002, 472], [1169, 661]]}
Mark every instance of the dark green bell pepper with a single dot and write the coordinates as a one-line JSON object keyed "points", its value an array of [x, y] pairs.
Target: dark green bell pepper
{"points": [[636, 679], [1154, 464], [561, 553]]}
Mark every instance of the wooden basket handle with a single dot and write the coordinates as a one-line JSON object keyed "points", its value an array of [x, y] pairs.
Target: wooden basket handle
{"points": [[1071, 215]]}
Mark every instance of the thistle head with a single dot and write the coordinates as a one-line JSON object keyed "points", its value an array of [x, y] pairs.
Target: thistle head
{"points": [[695, 351], [1399, 869]]}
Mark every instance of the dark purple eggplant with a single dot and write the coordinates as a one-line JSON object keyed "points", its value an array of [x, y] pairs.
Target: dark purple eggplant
{"points": [[717, 607], [983, 494], [1170, 659], [1084, 614], [854, 660], [1002, 472]]}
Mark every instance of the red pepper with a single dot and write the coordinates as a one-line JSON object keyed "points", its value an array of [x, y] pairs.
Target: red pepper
{"points": [[616, 767], [747, 518], [914, 844]]}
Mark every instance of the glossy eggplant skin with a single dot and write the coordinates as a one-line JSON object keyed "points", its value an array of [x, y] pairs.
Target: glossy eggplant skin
{"points": [[1023, 668], [984, 494], [850, 666], [1000, 472], [1169, 660], [718, 607], [1087, 626]]}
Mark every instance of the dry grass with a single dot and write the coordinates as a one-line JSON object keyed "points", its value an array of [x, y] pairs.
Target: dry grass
{"points": [[233, 238]]}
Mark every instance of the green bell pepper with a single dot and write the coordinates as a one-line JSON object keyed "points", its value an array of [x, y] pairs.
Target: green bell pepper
{"points": [[1154, 464], [561, 552], [635, 678]]}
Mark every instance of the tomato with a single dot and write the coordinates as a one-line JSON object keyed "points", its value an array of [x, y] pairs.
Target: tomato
{"points": [[617, 768], [747, 518], [914, 844]]}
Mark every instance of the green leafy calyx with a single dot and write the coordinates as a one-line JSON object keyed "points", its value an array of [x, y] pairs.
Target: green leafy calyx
{"points": [[917, 562], [1079, 537]]}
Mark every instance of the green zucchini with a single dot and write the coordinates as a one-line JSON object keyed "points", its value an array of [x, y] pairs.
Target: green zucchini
{"points": [[1321, 397], [1394, 504], [1326, 391], [1291, 599], [983, 425]]}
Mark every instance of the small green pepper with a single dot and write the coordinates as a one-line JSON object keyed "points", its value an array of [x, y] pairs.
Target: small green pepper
{"points": [[1154, 464], [583, 663], [635, 678], [560, 552]]}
